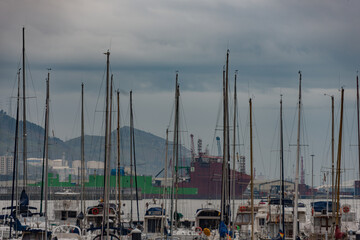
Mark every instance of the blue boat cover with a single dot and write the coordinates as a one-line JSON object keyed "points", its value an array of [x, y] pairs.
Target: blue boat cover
{"points": [[321, 205]]}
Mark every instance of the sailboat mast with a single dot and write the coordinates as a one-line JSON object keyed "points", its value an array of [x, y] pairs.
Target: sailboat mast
{"points": [[228, 139], [358, 118], [107, 203], [177, 148], [174, 158], [106, 160], [24, 116], [15, 169], [339, 160], [234, 146], [118, 157], [222, 208], [165, 185], [225, 167], [46, 150], [135, 173], [332, 160], [82, 205], [282, 168], [131, 161], [252, 172], [295, 221]]}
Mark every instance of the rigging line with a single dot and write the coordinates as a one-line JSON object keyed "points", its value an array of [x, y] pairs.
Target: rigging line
{"points": [[294, 119], [127, 116], [101, 140], [276, 136], [258, 140], [121, 110], [286, 133], [353, 120], [305, 133], [348, 133], [14, 88], [76, 118], [214, 143], [94, 118], [247, 125], [239, 129], [182, 116], [327, 142], [171, 115], [32, 84]]}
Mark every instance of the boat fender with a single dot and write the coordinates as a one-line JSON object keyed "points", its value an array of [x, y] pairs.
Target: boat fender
{"points": [[198, 230], [95, 211], [207, 232]]}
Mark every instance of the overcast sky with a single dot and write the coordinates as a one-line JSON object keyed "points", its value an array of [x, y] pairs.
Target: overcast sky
{"points": [[269, 42]]}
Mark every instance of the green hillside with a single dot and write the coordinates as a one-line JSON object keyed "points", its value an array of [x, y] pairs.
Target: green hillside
{"points": [[150, 149]]}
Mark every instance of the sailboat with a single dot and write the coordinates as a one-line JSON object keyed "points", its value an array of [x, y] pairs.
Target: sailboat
{"points": [[36, 226], [225, 188], [101, 219], [155, 218], [68, 219], [22, 219], [22, 209], [324, 224]]}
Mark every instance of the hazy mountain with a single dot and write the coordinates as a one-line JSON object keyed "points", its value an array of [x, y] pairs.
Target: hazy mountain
{"points": [[149, 149]]}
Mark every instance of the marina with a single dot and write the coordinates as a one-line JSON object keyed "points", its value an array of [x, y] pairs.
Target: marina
{"points": [[179, 120]]}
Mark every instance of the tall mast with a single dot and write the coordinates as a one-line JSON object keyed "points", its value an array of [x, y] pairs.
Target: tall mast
{"points": [[118, 157], [47, 149], [224, 217], [339, 160], [295, 221], [177, 147], [107, 203], [228, 139], [282, 168], [134, 154], [43, 169], [24, 116], [131, 162], [234, 146], [358, 118], [332, 161], [165, 176], [222, 207], [252, 173], [106, 156], [82, 152], [175, 156], [15, 169]]}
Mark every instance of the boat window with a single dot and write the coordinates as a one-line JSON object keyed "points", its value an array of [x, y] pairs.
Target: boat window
{"points": [[72, 214], [246, 218], [63, 215], [261, 221], [209, 213], [154, 225], [243, 218], [209, 223]]}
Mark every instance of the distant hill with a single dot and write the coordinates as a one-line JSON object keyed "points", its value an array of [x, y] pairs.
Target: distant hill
{"points": [[150, 149]]}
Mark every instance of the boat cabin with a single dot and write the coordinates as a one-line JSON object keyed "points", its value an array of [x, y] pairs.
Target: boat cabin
{"points": [[207, 218], [154, 218]]}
